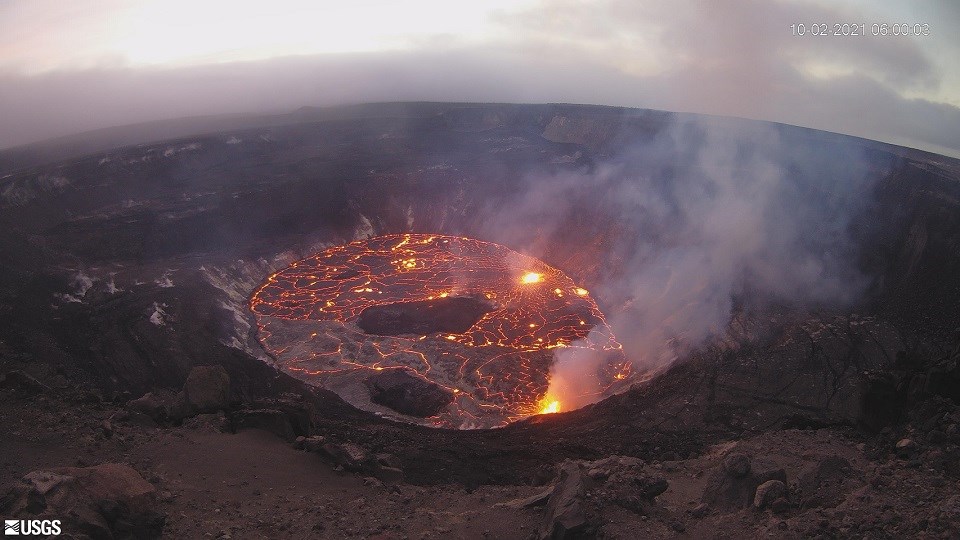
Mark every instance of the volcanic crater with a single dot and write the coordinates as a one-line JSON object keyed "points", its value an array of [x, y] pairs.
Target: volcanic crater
{"points": [[129, 266], [472, 323]]}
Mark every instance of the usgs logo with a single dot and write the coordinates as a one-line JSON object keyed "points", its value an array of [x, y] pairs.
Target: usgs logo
{"points": [[16, 527]]}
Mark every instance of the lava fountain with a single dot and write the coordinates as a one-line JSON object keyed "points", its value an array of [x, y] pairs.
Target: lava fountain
{"points": [[442, 330]]}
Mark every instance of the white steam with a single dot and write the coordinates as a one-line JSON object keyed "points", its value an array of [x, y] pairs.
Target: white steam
{"points": [[711, 211]]}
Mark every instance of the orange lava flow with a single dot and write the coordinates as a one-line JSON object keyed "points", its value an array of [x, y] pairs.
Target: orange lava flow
{"points": [[534, 310]]}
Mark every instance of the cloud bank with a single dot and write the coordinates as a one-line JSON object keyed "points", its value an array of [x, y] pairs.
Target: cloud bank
{"points": [[734, 59]]}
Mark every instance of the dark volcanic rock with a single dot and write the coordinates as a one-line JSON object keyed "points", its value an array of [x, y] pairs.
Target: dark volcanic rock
{"points": [[347, 455], [106, 501], [311, 444], [737, 465], [297, 412], [624, 481], [207, 388], [150, 405], [21, 382], [635, 492], [826, 484], [180, 409], [768, 492], [407, 393], [566, 517], [734, 484], [906, 448], [353, 457], [455, 314]]}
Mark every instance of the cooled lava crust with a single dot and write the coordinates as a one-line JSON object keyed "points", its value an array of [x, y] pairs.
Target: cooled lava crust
{"points": [[476, 320]]}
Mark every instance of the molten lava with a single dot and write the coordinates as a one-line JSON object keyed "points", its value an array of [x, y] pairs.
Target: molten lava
{"points": [[532, 277], [495, 372], [549, 406]]}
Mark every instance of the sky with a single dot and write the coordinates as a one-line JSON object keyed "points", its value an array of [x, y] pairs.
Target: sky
{"points": [[68, 67]]}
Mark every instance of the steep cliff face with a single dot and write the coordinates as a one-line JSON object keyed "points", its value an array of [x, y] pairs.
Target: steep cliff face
{"points": [[912, 242]]}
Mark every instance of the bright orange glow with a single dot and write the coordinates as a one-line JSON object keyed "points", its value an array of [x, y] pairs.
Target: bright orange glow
{"points": [[581, 292], [496, 369], [531, 277], [549, 406]]}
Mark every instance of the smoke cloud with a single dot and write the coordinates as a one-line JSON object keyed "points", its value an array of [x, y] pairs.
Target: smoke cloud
{"points": [[712, 211]]}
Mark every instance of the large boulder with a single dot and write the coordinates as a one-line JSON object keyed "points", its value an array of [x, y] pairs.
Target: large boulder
{"points": [[769, 493], [733, 485], [207, 389], [386, 468], [105, 501], [737, 465], [566, 515]]}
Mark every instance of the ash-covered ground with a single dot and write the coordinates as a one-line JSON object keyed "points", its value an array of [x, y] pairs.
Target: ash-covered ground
{"points": [[793, 292]]}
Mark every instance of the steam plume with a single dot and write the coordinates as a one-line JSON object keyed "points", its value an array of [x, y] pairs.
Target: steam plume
{"points": [[714, 210]]}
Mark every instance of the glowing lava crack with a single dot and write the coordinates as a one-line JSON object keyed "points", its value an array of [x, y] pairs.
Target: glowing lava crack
{"points": [[465, 329]]}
